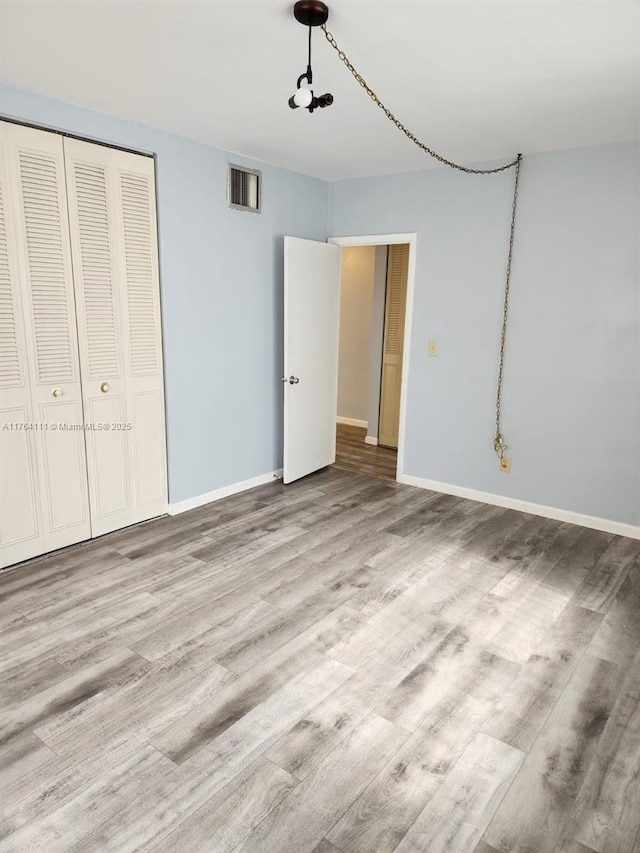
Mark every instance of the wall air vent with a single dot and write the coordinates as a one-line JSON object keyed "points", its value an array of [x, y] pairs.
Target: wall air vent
{"points": [[244, 188]]}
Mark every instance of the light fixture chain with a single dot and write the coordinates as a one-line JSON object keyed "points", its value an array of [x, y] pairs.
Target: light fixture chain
{"points": [[376, 100], [498, 444]]}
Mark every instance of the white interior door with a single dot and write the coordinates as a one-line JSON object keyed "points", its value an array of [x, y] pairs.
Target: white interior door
{"points": [[113, 232], [310, 377]]}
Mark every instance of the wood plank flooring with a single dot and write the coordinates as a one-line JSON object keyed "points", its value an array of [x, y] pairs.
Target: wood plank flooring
{"points": [[354, 455], [342, 665]]}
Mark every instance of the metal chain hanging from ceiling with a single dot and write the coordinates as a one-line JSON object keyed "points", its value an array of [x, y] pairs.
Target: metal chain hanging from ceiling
{"points": [[498, 442]]}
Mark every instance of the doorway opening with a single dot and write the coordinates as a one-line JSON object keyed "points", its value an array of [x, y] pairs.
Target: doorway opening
{"points": [[375, 299]]}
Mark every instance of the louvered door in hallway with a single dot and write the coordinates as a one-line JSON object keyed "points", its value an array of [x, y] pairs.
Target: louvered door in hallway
{"points": [[83, 435], [394, 317]]}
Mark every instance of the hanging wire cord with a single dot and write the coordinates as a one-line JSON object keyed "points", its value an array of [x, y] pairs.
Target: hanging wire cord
{"points": [[498, 443]]}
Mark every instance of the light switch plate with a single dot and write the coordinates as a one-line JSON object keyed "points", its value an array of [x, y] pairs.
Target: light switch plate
{"points": [[433, 348]]}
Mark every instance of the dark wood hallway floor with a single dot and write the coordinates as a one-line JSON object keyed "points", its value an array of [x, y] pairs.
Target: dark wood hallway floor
{"points": [[354, 455], [343, 665]]}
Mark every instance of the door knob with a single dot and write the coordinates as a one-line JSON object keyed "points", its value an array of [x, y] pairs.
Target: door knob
{"points": [[105, 387], [292, 380], [57, 392]]}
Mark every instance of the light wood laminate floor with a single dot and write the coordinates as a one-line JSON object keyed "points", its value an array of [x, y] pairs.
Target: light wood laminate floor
{"points": [[343, 665], [354, 455]]}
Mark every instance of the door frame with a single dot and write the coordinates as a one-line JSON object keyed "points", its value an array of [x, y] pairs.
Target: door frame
{"points": [[389, 240]]}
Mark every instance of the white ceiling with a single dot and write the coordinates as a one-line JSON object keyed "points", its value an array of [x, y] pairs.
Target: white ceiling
{"points": [[474, 80]]}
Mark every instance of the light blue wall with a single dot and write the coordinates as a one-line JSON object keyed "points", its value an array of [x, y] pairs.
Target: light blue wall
{"points": [[221, 280], [572, 387], [571, 411]]}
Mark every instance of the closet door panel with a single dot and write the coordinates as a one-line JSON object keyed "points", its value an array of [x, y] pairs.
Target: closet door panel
{"points": [[93, 216], [108, 463], [148, 447], [40, 204], [64, 464], [20, 526], [35, 169], [21, 532], [145, 387], [112, 215]]}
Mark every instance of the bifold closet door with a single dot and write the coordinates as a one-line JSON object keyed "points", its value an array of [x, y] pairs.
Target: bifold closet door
{"points": [[44, 480], [393, 345], [112, 219]]}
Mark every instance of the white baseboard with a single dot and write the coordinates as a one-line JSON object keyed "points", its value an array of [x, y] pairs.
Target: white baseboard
{"points": [[604, 524], [224, 492], [607, 525], [352, 422], [371, 439]]}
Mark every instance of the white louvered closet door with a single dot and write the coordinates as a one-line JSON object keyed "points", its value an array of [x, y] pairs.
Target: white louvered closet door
{"points": [[36, 220], [391, 381], [21, 528], [114, 242]]}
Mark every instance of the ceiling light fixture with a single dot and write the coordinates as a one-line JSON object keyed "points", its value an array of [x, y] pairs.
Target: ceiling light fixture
{"points": [[310, 13]]}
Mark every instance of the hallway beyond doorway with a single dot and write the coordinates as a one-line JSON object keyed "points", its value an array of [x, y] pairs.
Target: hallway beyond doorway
{"points": [[354, 455]]}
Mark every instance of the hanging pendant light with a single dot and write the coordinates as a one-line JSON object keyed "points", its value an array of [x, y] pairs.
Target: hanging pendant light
{"points": [[310, 13]]}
